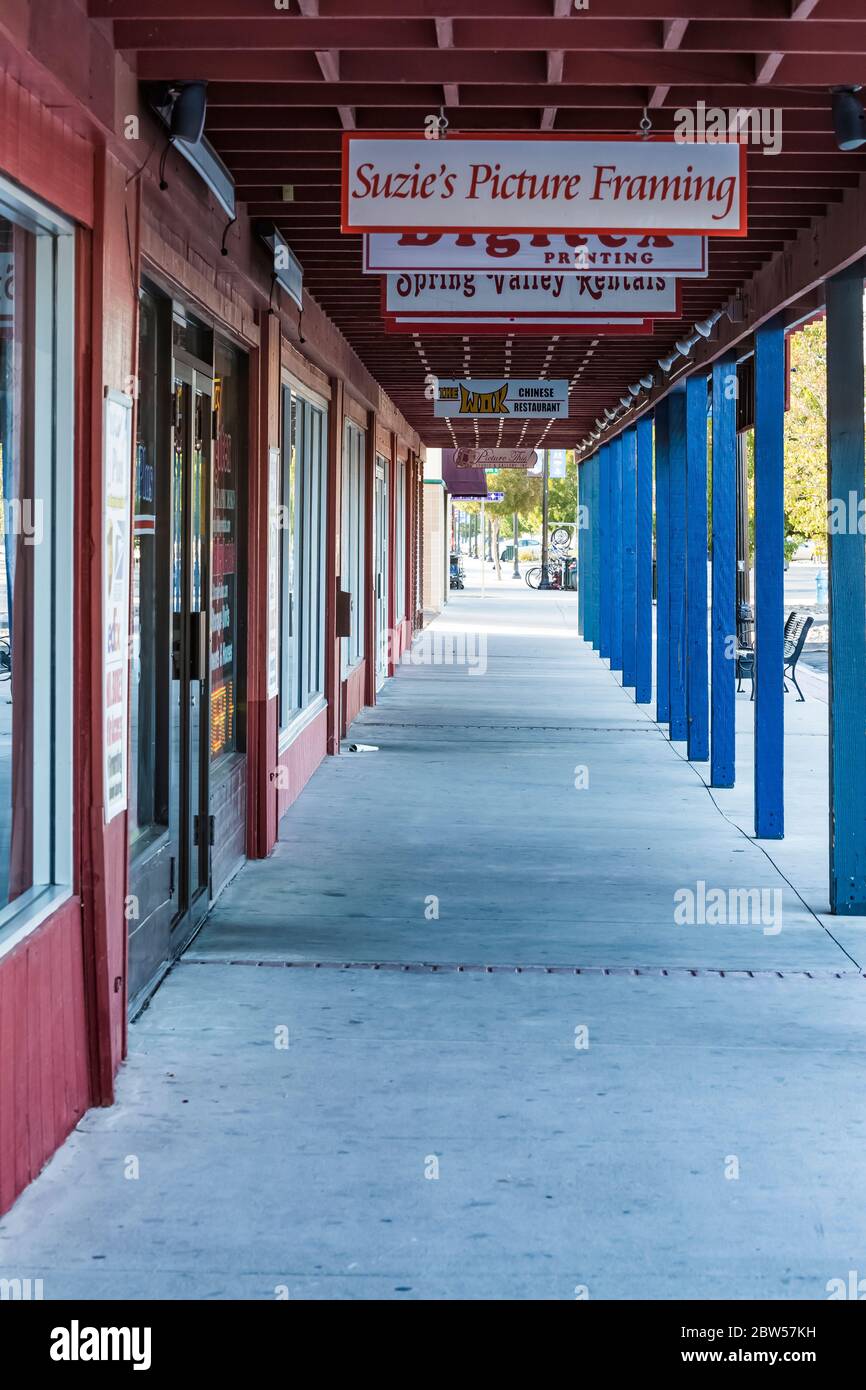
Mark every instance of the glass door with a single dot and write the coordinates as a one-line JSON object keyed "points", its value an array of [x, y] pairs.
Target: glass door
{"points": [[381, 561], [190, 702]]}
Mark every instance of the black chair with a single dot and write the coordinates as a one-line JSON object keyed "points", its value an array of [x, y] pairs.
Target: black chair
{"points": [[796, 632], [745, 645]]}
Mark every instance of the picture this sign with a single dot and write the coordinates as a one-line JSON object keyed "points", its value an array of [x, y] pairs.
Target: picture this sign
{"points": [[546, 182], [570, 253], [419, 293], [117, 517], [497, 397], [495, 458]]}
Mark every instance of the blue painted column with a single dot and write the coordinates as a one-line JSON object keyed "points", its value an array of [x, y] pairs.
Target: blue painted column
{"points": [[769, 575], [644, 563], [616, 554], [629, 555], [596, 556], [846, 447], [604, 606], [724, 593], [697, 646], [663, 535], [677, 561], [582, 557]]}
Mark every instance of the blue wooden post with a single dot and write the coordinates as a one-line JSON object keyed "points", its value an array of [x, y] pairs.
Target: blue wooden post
{"points": [[724, 621], [629, 555], [847, 591], [677, 561], [616, 554], [591, 535], [644, 563], [582, 557], [604, 606], [663, 532], [769, 574], [697, 654]]}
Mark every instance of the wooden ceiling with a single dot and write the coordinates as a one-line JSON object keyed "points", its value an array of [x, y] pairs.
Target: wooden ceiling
{"points": [[284, 84]]}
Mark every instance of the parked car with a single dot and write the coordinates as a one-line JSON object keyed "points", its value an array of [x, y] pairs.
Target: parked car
{"points": [[528, 548]]}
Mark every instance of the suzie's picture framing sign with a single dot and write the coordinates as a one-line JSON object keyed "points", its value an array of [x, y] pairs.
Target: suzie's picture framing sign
{"points": [[549, 181]]}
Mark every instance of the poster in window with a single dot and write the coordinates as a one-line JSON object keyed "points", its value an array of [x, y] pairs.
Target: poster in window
{"points": [[117, 465], [273, 573]]}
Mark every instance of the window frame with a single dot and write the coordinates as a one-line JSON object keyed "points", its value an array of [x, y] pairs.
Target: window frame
{"points": [[54, 460]]}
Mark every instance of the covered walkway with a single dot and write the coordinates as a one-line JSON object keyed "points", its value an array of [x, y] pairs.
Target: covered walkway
{"points": [[587, 1097]]}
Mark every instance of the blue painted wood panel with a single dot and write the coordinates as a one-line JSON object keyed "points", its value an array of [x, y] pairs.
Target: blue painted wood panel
{"points": [[644, 563], [724, 573], [616, 554], [663, 526], [677, 561], [604, 551], [629, 555], [697, 642], [769, 576]]}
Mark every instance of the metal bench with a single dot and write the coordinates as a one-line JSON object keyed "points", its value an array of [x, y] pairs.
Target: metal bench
{"points": [[796, 631]]}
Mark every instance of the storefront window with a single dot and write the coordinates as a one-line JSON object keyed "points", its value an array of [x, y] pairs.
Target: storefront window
{"points": [[36, 520], [304, 474], [352, 540], [148, 790], [227, 587]]}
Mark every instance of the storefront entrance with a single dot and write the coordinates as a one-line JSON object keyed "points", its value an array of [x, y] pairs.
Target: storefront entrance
{"points": [[187, 763]]}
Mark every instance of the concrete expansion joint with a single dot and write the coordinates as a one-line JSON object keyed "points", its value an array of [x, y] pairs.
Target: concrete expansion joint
{"points": [[445, 968]]}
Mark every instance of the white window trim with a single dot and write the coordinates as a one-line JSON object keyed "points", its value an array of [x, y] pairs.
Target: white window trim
{"points": [[300, 722], [54, 460]]}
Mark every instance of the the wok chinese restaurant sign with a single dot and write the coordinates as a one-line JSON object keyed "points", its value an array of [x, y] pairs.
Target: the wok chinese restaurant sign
{"points": [[570, 253], [478, 399], [554, 183]]}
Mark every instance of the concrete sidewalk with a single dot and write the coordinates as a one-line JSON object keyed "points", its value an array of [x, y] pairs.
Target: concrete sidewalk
{"points": [[586, 1094]]}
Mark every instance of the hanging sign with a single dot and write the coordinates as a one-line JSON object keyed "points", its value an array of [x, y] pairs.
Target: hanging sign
{"points": [[556, 463], [420, 293], [494, 458], [570, 253], [542, 182], [499, 396], [498, 325], [116, 524]]}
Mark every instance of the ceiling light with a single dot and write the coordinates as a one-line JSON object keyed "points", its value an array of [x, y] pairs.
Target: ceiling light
{"points": [[849, 118], [634, 389], [647, 382], [685, 345], [625, 402], [706, 326], [667, 362]]}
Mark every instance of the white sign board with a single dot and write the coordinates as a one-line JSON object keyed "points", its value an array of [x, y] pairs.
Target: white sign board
{"points": [[571, 253], [556, 463], [273, 573], [547, 182], [514, 325], [501, 397], [419, 293], [116, 514]]}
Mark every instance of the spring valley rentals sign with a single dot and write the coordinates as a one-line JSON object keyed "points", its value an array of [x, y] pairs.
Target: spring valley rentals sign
{"points": [[555, 183], [418, 294], [479, 399]]}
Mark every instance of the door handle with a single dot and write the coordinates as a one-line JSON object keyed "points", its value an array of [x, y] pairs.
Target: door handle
{"points": [[197, 646]]}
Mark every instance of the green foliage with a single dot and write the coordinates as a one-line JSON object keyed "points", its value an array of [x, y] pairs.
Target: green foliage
{"points": [[806, 440]]}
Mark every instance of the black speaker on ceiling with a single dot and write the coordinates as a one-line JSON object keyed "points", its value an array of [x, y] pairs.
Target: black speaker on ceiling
{"points": [[188, 112], [849, 118]]}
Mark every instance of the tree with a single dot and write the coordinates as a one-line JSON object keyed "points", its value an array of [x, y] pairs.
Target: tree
{"points": [[806, 439]]}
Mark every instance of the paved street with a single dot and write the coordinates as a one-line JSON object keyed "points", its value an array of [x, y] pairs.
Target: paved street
{"points": [[589, 1095]]}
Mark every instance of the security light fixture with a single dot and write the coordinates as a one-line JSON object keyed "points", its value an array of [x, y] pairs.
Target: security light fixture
{"points": [[182, 107], [849, 118], [706, 326], [666, 363], [647, 382], [685, 345], [634, 389], [609, 414], [625, 402]]}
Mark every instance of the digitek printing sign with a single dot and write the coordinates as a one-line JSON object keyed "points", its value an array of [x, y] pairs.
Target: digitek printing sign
{"points": [[553, 183], [421, 294], [570, 253], [496, 397]]}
